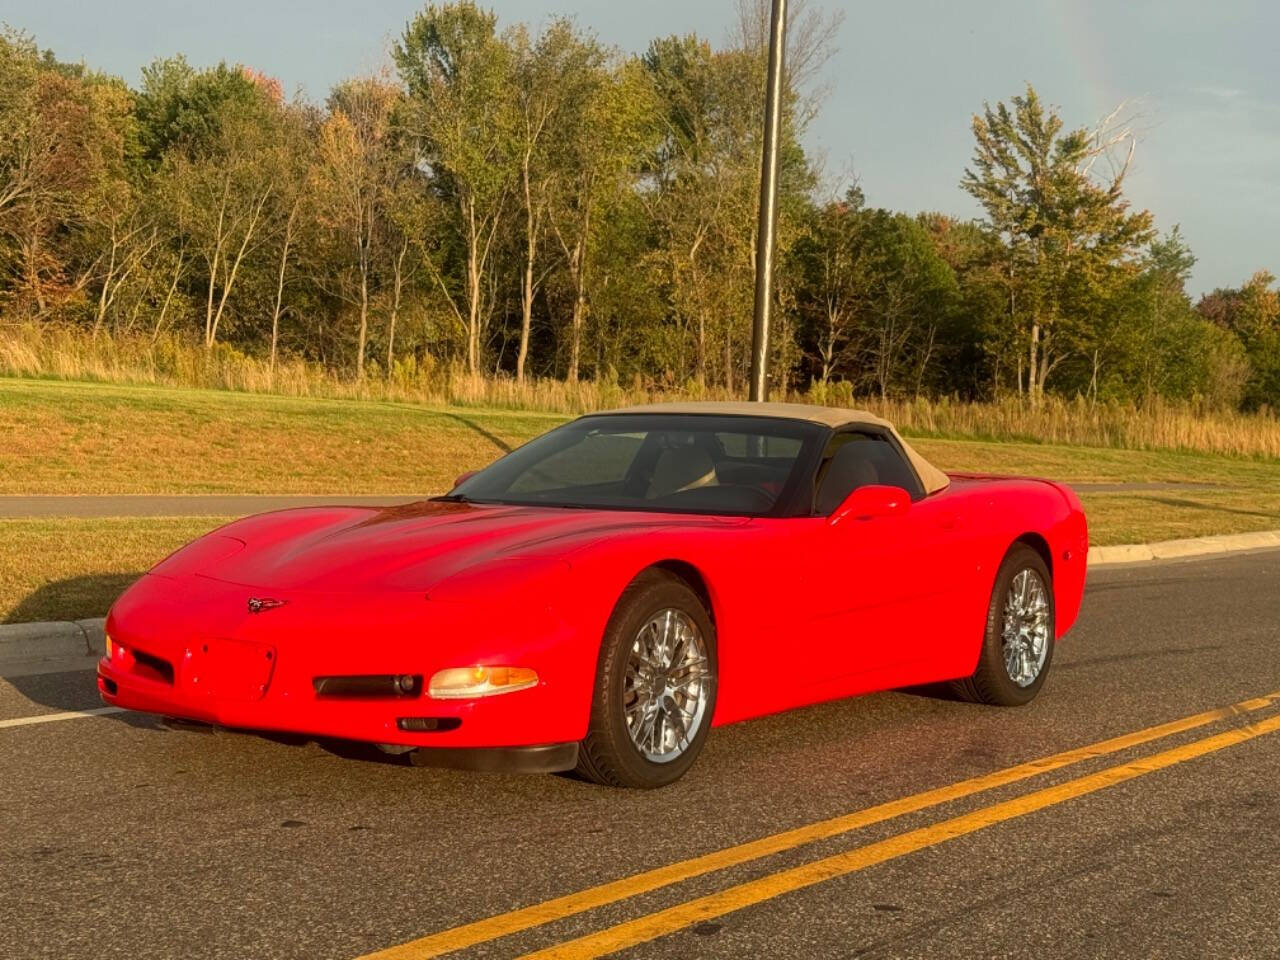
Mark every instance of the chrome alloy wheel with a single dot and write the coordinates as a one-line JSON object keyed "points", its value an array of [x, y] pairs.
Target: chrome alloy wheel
{"points": [[1025, 632], [667, 685]]}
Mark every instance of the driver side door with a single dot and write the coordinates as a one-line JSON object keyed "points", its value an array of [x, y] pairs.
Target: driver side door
{"points": [[882, 586]]}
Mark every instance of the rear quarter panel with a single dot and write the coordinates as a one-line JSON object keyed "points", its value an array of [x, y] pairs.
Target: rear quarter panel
{"points": [[1047, 514]]}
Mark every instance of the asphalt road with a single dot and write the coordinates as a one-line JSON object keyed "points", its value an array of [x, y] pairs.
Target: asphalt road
{"points": [[124, 839], [240, 505]]}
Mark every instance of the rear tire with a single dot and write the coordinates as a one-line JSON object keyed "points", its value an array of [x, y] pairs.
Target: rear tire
{"points": [[1017, 645], [655, 686]]}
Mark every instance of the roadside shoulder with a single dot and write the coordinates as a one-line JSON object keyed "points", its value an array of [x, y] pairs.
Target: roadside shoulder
{"points": [[28, 644], [1175, 549]]}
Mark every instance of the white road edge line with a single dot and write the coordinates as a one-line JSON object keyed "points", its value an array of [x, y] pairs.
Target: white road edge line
{"points": [[67, 715]]}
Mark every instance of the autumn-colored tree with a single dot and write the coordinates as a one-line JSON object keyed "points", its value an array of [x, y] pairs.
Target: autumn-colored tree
{"points": [[357, 162], [60, 148]]}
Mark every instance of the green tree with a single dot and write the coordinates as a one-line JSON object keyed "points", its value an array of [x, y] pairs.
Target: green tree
{"points": [[181, 107], [911, 296], [836, 282], [608, 126], [705, 186], [1252, 314], [553, 77], [459, 75], [1069, 237], [972, 338], [219, 194]]}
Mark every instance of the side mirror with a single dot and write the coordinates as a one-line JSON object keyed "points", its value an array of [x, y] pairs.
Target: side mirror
{"points": [[464, 477], [874, 500]]}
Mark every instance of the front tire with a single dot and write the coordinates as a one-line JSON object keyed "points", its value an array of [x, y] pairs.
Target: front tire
{"points": [[655, 686], [1017, 646]]}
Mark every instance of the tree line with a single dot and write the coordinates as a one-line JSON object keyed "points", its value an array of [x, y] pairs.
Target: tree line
{"points": [[531, 203]]}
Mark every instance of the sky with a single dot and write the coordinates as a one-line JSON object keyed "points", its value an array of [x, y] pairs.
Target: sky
{"points": [[906, 77]]}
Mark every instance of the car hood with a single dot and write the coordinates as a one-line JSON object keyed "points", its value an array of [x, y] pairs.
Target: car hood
{"points": [[413, 546]]}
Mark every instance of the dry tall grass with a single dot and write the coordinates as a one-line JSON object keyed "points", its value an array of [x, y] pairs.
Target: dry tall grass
{"points": [[67, 354]]}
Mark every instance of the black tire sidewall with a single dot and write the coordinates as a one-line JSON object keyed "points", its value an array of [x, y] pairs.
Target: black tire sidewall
{"points": [[991, 678], [614, 755]]}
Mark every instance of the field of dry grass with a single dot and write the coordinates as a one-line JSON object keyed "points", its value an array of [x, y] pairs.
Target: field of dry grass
{"points": [[82, 438], [60, 354], [77, 438]]}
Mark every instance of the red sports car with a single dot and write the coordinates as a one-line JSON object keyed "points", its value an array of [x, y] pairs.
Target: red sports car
{"points": [[603, 596]]}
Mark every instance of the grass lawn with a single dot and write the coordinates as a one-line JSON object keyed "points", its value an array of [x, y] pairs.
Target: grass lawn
{"points": [[69, 438], [68, 569], [85, 438]]}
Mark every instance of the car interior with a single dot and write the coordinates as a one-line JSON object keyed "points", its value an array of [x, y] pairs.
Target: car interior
{"points": [[708, 470], [856, 460], [694, 471]]}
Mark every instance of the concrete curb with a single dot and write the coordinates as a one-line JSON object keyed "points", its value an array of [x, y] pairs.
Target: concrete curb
{"points": [[27, 644], [1175, 549]]}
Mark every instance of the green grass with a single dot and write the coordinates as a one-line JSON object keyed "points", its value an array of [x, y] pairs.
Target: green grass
{"points": [[80, 438], [75, 438], [69, 569]]}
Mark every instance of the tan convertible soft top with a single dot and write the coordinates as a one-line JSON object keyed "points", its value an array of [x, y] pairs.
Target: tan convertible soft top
{"points": [[931, 477]]}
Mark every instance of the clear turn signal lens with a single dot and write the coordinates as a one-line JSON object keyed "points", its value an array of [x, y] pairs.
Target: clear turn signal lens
{"points": [[463, 683]]}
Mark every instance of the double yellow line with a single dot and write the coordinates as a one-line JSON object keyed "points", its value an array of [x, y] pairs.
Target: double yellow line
{"points": [[657, 924]]}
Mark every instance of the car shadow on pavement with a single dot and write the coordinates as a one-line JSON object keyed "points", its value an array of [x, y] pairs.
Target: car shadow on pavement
{"points": [[934, 691], [346, 749], [64, 682]]}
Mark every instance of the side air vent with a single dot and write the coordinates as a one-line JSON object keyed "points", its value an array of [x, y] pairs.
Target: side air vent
{"points": [[152, 667], [429, 724], [371, 686]]}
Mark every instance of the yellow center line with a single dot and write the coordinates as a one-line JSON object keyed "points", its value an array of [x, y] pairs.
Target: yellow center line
{"points": [[525, 918], [663, 922]]}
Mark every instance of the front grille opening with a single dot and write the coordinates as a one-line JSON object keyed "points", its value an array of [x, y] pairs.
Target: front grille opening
{"points": [[428, 724], [373, 686], [150, 667], [108, 686]]}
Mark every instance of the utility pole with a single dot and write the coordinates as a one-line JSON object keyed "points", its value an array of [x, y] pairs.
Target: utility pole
{"points": [[768, 212]]}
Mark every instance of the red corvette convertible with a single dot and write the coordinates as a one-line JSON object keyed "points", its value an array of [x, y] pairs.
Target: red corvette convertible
{"points": [[606, 594]]}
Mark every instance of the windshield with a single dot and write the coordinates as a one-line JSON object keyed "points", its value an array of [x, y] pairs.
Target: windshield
{"points": [[685, 463]]}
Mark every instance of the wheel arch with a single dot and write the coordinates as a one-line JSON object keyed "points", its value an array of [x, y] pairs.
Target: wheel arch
{"points": [[692, 577], [1039, 544]]}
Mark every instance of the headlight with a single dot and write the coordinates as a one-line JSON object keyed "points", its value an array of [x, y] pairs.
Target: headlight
{"points": [[464, 683], [118, 653]]}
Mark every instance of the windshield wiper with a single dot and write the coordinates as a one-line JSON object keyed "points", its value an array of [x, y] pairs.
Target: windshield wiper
{"points": [[453, 498]]}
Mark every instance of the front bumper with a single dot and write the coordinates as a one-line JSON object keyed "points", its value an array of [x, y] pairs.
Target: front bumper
{"points": [[193, 656], [489, 723]]}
